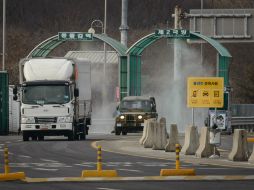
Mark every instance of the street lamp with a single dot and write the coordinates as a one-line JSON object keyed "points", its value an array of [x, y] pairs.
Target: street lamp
{"points": [[96, 24]]}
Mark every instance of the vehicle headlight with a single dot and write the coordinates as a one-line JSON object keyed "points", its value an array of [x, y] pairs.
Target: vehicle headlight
{"points": [[64, 119], [140, 117], [27, 120], [122, 117]]}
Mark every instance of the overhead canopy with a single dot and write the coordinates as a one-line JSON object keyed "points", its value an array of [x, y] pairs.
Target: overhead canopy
{"points": [[44, 48], [140, 45]]}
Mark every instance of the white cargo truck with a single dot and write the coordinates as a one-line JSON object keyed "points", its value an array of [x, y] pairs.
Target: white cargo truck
{"points": [[55, 98]]}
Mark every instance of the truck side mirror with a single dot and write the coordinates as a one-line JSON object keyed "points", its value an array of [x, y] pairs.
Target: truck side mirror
{"points": [[15, 93], [15, 90], [76, 92]]}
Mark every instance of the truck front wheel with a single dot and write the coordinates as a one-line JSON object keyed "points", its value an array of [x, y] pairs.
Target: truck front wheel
{"points": [[117, 131], [70, 136], [25, 136]]}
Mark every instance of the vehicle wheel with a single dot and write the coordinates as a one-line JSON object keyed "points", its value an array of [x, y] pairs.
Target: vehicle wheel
{"points": [[41, 138], [124, 132], [34, 138], [82, 136], [117, 131], [25, 136], [70, 136]]}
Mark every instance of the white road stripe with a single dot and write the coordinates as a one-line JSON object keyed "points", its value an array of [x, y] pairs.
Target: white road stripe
{"points": [[24, 156], [130, 170], [84, 165], [46, 160], [46, 169], [103, 188]]}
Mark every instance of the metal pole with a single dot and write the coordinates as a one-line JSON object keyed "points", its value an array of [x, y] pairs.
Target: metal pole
{"points": [[105, 32], [124, 27], [201, 31], [177, 46], [4, 23], [193, 124], [105, 60]]}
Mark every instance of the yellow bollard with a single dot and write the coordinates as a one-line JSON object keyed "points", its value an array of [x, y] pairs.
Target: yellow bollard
{"points": [[177, 171], [7, 176], [99, 159], [177, 157], [6, 161], [99, 172]]}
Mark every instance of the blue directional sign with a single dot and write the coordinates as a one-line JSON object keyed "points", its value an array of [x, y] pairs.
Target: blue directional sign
{"points": [[173, 33], [75, 36]]}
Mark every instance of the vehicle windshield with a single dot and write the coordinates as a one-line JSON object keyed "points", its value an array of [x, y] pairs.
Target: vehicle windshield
{"points": [[50, 94], [136, 105]]}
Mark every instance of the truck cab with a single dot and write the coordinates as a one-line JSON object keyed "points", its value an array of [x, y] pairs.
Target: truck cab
{"points": [[47, 109], [132, 111], [55, 98]]}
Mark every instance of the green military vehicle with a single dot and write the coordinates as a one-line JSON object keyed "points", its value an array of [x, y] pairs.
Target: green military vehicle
{"points": [[132, 112]]}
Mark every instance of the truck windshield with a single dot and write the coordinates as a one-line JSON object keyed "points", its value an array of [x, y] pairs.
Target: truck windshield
{"points": [[50, 94], [136, 105]]}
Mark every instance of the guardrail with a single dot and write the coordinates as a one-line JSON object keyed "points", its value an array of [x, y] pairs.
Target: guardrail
{"points": [[242, 121]]}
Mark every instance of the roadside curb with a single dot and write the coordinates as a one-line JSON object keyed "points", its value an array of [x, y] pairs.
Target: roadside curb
{"points": [[185, 159], [136, 179]]}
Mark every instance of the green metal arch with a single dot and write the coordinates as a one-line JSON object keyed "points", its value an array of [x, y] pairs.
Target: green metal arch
{"points": [[45, 47], [138, 47], [135, 51]]}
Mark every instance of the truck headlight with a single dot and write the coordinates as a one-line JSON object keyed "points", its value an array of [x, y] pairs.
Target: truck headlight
{"points": [[27, 120], [140, 117], [64, 119], [122, 117]]}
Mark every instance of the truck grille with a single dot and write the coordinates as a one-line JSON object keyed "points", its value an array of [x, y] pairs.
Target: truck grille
{"points": [[45, 119], [130, 117]]}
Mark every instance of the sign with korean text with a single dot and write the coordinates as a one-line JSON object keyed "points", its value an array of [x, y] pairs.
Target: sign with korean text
{"points": [[75, 36], [173, 33], [205, 92]]}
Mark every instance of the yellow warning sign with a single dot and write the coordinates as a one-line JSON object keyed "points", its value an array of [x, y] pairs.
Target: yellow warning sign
{"points": [[205, 92]]}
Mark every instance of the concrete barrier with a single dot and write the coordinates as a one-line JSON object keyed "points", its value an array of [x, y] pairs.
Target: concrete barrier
{"points": [[160, 135], [191, 141], [251, 159], [142, 139], [164, 135], [148, 142], [239, 150], [205, 149], [173, 139]]}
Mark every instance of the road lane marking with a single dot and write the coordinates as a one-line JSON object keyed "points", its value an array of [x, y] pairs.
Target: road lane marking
{"points": [[24, 156], [47, 160], [46, 169], [84, 165], [128, 170], [103, 188], [44, 165]]}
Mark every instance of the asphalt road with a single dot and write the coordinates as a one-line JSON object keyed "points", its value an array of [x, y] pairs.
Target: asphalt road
{"points": [[61, 158]]}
